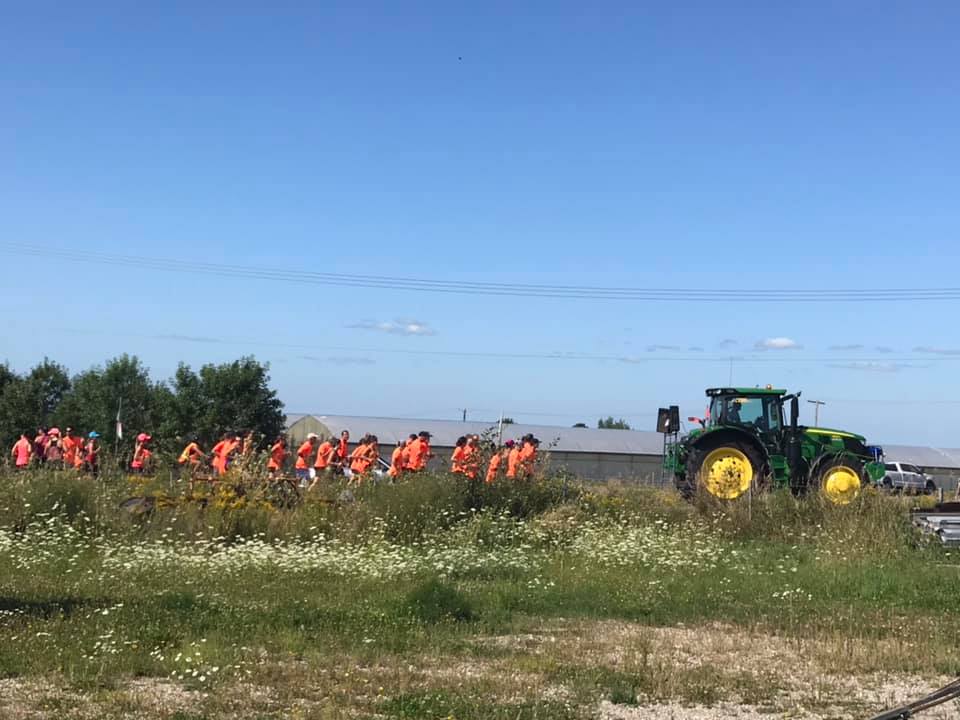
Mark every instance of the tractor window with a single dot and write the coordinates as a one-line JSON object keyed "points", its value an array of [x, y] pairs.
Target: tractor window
{"points": [[774, 419], [745, 411], [762, 414]]}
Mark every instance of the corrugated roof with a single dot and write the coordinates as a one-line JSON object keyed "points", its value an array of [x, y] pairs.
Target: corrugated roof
{"points": [[929, 457], [446, 432]]}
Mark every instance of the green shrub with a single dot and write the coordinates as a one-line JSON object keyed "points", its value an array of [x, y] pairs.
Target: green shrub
{"points": [[435, 601]]}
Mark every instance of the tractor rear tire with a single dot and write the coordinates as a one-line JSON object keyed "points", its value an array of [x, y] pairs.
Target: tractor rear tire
{"points": [[725, 471], [839, 480]]}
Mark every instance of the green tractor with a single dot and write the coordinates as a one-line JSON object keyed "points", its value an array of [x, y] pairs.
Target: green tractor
{"points": [[744, 445]]}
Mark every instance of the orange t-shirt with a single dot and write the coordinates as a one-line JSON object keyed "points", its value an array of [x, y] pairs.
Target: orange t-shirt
{"points": [[342, 449], [396, 462], [70, 448], [513, 462], [419, 454], [528, 456], [456, 461], [21, 452], [494, 467], [324, 454], [140, 458], [303, 455], [471, 461], [191, 453], [362, 458], [278, 453]]}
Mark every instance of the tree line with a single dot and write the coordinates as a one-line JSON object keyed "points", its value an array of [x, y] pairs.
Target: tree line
{"points": [[205, 403]]}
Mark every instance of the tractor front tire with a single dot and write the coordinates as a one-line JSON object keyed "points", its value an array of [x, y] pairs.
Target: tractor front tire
{"points": [[839, 480], [725, 471]]}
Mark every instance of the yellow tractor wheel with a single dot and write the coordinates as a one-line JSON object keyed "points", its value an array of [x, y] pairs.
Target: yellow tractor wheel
{"points": [[726, 472], [840, 481]]}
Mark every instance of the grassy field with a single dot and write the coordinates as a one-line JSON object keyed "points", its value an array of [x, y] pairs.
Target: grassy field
{"points": [[435, 599]]}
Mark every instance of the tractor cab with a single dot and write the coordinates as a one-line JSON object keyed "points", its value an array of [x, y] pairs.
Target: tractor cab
{"points": [[758, 410]]}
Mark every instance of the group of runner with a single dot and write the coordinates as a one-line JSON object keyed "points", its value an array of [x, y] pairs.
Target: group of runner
{"points": [[314, 458], [514, 460], [54, 449]]}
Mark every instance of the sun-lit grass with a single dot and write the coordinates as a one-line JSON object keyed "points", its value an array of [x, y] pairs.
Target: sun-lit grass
{"points": [[437, 598]]}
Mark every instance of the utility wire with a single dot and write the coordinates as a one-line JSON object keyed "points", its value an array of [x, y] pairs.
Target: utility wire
{"points": [[464, 287]]}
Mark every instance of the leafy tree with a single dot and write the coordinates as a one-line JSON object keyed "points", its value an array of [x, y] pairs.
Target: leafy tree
{"points": [[7, 376], [230, 396], [29, 402], [507, 421], [609, 423], [580, 425], [123, 384]]}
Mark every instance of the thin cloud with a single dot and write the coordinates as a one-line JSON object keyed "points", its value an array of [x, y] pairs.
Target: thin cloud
{"points": [[395, 327], [883, 349], [340, 360], [875, 367], [926, 349], [189, 338], [728, 343], [845, 348], [695, 348], [668, 348], [777, 343], [632, 360]]}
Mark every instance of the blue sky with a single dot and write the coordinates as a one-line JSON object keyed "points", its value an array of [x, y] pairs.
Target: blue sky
{"points": [[695, 145]]}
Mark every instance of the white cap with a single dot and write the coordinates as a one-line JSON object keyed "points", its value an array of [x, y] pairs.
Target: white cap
{"points": [[312, 436]]}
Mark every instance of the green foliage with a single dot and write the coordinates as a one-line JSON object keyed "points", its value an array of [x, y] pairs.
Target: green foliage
{"points": [[609, 423], [220, 397], [97, 395], [229, 396], [29, 402], [436, 601]]}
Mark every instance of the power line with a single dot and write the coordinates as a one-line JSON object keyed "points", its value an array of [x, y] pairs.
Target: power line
{"points": [[465, 287]]}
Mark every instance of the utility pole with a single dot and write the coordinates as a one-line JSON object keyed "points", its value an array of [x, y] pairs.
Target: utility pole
{"points": [[816, 411], [731, 371], [464, 414]]}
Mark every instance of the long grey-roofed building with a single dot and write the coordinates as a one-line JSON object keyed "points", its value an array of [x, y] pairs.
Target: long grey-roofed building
{"points": [[591, 454], [588, 453]]}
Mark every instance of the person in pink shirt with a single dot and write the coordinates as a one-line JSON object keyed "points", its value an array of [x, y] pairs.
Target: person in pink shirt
{"points": [[22, 452]]}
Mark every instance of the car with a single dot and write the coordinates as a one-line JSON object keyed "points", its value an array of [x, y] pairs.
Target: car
{"points": [[907, 478]]}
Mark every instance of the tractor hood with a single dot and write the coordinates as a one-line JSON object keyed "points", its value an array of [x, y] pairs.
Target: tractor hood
{"points": [[833, 433]]}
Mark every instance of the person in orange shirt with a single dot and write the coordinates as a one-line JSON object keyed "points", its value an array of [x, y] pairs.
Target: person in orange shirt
{"points": [[141, 454], [342, 454], [396, 461], [497, 461], [456, 460], [73, 449], [304, 452], [325, 454], [224, 453], [364, 456], [528, 456], [471, 457], [420, 452], [278, 454], [22, 452], [216, 452], [513, 459], [91, 454], [192, 456]]}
